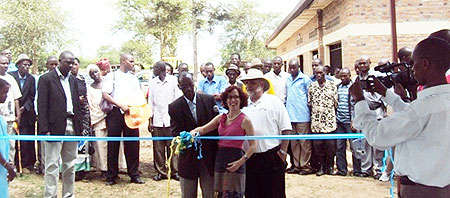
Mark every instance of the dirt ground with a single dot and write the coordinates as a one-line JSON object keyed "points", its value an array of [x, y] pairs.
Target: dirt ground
{"points": [[32, 185]]}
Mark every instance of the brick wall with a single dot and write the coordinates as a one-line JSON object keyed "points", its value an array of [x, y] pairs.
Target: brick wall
{"points": [[368, 12]]}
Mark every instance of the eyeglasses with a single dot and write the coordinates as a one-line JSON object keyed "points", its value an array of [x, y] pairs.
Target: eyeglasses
{"points": [[233, 97]]}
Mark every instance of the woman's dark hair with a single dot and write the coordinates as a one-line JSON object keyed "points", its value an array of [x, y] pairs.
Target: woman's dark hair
{"points": [[243, 97], [3, 83]]}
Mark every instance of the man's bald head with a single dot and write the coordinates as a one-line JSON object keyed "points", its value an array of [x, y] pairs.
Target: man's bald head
{"points": [[436, 51], [125, 57], [345, 75], [383, 61], [316, 62], [294, 62], [404, 54], [7, 53], [443, 34], [66, 54]]}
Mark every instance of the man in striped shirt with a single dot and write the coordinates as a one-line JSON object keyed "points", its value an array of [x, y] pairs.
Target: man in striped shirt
{"points": [[343, 121]]}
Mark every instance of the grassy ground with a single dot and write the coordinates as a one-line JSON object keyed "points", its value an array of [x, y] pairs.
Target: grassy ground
{"points": [[32, 185]]}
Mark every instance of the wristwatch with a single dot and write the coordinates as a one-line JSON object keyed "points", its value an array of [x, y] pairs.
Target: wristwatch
{"points": [[282, 152], [245, 157]]}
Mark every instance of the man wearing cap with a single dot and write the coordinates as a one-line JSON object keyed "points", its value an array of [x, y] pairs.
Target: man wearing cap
{"points": [[162, 92], [233, 73], [266, 167], [247, 66], [119, 87], [59, 114], [187, 113], [10, 108], [213, 85], [27, 85], [297, 106], [11, 66], [257, 64]]}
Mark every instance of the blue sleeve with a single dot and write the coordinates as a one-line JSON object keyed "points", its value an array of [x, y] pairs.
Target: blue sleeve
{"points": [[201, 86], [223, 85]]}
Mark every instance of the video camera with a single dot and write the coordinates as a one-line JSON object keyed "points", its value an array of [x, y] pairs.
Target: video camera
{"points": [[396, 73]]}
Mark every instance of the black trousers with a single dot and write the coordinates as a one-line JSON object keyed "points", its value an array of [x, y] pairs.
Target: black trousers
{"points": [[341, 147], [324, 151], [265, 175], [27, 151], [116, 126]]}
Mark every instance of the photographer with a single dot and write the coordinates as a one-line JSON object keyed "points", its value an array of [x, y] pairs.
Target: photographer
{"points": [[419, 130]]}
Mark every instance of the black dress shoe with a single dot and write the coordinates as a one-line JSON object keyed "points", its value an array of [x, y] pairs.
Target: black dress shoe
{"points": [[293, 171], [159, 177], [290, 168], [320, 172], [377, 176], [110, 182], [303, 172], [175, 177], [340, 173], [137, 180], [357, 174], [365, 174]]}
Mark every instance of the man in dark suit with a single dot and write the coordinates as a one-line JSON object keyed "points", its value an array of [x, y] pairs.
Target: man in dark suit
{"points": [[59, 114], [27, 85], [186, 113]]}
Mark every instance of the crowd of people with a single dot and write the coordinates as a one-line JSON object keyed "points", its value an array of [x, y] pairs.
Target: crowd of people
{"points": [[260, 100]]}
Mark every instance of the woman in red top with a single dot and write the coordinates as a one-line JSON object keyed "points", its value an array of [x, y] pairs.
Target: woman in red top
{"points": [[229, 171]]}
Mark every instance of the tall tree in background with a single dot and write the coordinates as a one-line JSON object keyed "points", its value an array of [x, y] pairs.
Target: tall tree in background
{"points": [[246, 31], [204, 17], [165, 20], [33, 27]]}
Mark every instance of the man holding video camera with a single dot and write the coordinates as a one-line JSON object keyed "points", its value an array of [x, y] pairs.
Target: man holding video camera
{"points": [[419, 130]]}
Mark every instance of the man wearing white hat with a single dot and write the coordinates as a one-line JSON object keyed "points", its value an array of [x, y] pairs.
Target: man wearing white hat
{"points": [[10, 108], [266, 167], [27, 85]]}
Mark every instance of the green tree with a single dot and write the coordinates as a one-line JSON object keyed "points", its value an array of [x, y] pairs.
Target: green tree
{"points": [[165, 20], [141, 50], [33, 27], [110, 53], [246, 30]]}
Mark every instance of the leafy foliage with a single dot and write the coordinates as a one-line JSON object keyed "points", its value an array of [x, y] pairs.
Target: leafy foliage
{"points": [[140, 49], [33, 27], [165, 20], [246, 31]]}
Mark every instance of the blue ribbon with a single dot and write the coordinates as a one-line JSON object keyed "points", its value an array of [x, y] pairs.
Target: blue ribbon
{"points": [[92, 138]]}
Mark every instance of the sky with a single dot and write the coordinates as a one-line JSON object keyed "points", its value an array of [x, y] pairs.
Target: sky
{"points": [[92, 21]]}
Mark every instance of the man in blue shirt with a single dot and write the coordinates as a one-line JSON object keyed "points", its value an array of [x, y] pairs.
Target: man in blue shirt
{"points": [[316, 62], [213, 85], [297, 106]]}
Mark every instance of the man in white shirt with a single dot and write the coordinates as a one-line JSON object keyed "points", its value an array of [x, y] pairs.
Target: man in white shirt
{"points": [[119, 87], [10, 108], [419, 130], [266, 167], [162, 92], [278, 78]]}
